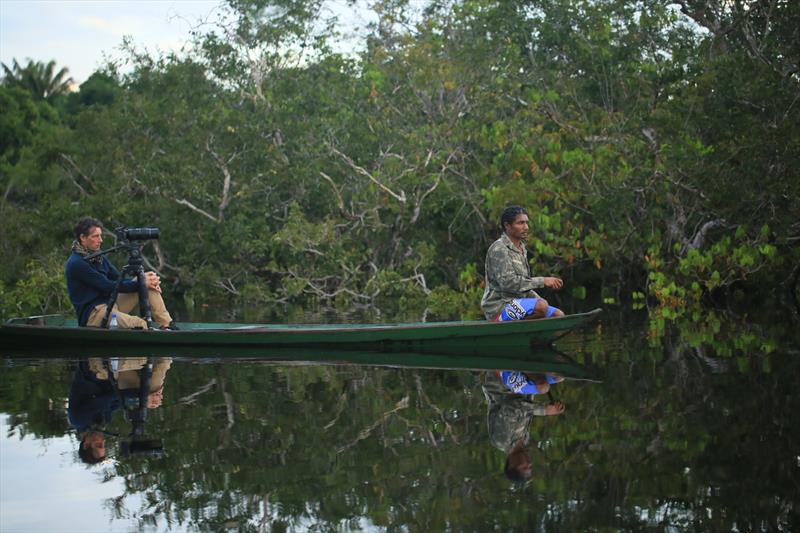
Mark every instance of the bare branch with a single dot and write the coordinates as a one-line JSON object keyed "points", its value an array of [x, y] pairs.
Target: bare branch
{"points": [[197, 209], [339, 410], [77, 170], [339, 198], [227, 285], [361, 170], [448, 428], [162, 263], [364, 433], [192, 398], [226, 183], [699, 240], [418, 206]]}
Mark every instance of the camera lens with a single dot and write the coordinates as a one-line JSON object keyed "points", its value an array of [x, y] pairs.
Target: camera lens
{"points": [[141, 234]]}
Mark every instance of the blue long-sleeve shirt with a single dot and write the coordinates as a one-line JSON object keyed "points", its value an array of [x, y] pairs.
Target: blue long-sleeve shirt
{"points": [[91, 284], [92, 401]]}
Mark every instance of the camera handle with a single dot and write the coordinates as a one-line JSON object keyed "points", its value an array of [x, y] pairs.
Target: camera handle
{"points": [[134, 268]]}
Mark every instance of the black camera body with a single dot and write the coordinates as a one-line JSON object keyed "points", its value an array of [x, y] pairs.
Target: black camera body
{"points": [[136, 234]]}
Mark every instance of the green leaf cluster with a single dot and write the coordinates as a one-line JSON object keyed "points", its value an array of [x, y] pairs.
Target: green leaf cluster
{"points": [[651, 148]]}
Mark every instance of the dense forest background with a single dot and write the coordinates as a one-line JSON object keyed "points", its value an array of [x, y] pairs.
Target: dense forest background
{"points": [[654, 143]]}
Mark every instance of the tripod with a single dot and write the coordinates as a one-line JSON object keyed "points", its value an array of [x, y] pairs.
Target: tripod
{"points": [[134, 404], [134, 268]]}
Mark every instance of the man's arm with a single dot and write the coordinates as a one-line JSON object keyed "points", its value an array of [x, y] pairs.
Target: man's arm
{"points": [[83, 272], [500, 268], [551, 409]]}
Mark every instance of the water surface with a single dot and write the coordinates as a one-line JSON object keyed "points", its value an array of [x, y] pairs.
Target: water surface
{"points": [[691, 427]]}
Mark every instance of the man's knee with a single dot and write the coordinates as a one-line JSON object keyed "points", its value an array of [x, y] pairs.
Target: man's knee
{"points": [[558, 312], [541, 306], [127, 321]]}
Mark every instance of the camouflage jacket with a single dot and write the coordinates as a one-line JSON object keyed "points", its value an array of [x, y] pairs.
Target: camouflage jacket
{"points": [[509, 415], [508, 276]]}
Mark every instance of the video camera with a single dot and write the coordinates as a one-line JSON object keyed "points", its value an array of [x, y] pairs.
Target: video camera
{"points": [[135, 234]]}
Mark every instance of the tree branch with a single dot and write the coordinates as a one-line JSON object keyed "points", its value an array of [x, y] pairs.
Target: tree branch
{"points": [[361, 170], [364, 433], [699, 240], [226, 182], [339, 198], [197, 209]]}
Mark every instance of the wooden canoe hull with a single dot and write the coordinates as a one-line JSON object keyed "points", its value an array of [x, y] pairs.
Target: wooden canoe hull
{"points": [[459, 337]]}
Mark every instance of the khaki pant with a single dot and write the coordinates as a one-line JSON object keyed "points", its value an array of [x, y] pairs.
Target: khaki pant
{"points": [[127, 374], [126, 302]]}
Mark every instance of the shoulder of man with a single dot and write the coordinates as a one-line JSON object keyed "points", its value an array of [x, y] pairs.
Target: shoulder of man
{"points": [[499, 244], [74, 260]]}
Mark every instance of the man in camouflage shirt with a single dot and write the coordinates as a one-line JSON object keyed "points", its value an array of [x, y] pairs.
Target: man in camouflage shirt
{"points": [[509, 293], [509, 417]]}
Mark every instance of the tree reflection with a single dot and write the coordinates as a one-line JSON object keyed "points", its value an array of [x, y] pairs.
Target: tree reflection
{"points": [[680, 433]]}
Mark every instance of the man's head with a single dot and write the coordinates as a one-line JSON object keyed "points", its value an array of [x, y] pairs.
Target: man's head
{"points": [[92, 448], [518, 465], [89, 233], [514, 221]]}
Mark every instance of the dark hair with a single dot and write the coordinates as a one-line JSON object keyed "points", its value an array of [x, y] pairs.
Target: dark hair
{"points": [[514, 474], [510, 214], [87, 454], [84, 225]]}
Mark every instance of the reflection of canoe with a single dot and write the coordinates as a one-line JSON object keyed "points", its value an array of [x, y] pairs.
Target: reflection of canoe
{"points": [[57, 332], [540, 360]]}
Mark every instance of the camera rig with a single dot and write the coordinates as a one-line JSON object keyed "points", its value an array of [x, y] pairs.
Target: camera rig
{"points": [[134, 404], [127, 241]]}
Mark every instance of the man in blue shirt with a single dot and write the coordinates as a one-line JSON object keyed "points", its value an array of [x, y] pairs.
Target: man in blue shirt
{"points": [[90, 283]]}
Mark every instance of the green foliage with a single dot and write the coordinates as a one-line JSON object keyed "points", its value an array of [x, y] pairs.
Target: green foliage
{"points": [[42, 290], [39, 79], [649, 153], [99, 89], [447, 303]]}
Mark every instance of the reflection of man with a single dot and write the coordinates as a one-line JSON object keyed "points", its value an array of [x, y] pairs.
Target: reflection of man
{"points": [[90, 283], [93, 398], [510, 414], [92, 401]]}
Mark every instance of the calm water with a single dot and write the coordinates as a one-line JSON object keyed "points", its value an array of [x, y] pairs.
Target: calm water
{"points": [[694, 426]]}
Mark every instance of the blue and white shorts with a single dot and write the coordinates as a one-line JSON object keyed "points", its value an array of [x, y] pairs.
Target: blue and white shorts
{"points": [[521, 308], [518, 382]]}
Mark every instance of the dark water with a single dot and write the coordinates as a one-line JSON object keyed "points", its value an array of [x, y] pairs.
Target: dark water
{"points": [[692, 426]]}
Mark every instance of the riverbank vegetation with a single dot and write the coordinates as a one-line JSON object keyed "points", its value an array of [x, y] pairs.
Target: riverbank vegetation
{"points": [[654, 143]]}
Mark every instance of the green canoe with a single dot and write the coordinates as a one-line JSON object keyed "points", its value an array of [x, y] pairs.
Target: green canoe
{"points": [[541, 360], [53, 331]]}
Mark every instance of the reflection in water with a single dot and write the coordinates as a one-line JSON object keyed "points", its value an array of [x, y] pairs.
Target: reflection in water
{"points": [[102, 386], [511, 405], [667, 440]]}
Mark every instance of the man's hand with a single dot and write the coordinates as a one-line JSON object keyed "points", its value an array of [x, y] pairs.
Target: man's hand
{"points": [[555, 408], [553, 283], [155, 398], [153, 281]]}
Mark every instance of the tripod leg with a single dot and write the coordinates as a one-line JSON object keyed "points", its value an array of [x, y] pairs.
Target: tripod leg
{"points": [[144, 391], [111, 302], [144, 299]]}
